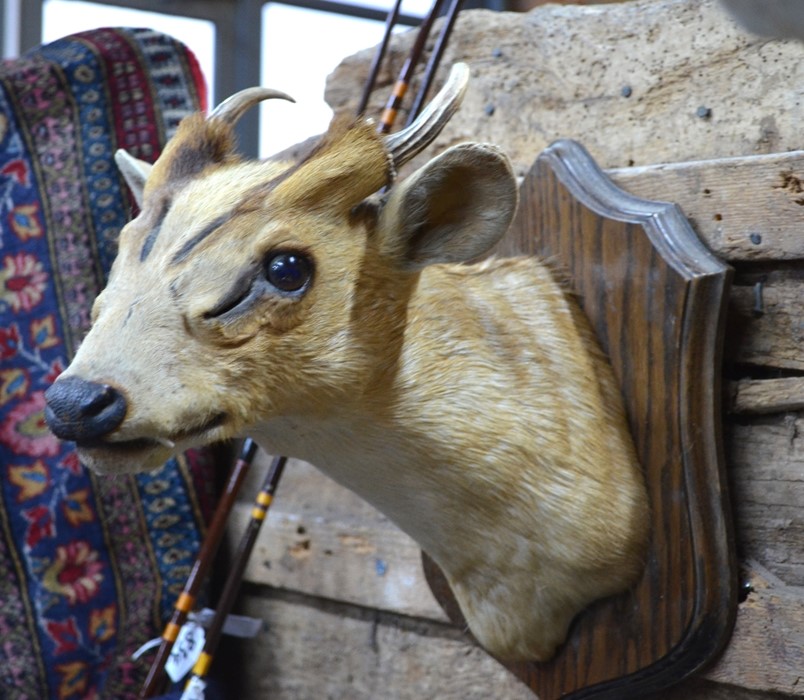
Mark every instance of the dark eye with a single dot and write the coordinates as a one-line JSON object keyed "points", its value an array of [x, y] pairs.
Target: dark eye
{"points": [[288, 272]]}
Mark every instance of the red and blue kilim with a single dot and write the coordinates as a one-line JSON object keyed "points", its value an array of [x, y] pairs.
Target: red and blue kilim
{"points": [[89, 567]]}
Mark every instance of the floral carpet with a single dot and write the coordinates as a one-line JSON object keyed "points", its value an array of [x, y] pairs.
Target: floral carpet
{"points": [[89, 566]]}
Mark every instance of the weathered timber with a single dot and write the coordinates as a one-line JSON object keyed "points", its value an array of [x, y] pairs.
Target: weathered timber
{"points": [[314, 649], [745, 209], [754, 396], [766, 470], [325, 541], [766, 324], [638, 83], [768, 648]]}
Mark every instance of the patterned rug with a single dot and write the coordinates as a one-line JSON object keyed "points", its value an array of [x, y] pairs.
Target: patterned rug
{"points": [[89, 567]]}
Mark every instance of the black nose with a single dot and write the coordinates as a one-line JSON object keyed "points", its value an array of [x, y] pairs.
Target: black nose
{"points": [[83, 411]]}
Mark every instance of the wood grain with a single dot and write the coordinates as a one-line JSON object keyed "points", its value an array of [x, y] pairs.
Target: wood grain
{"points": [[764, 653], [766, 468], [766, 323], [770, 651], [325, 541], [316, 649], [656, 299], [744, 209], [759, 396]]}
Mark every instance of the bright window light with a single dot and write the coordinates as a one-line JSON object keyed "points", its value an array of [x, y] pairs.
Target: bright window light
{"points": [[63, 17], [301, 47]]}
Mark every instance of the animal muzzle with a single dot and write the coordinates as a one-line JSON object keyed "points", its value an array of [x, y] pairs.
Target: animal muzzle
{"points": [[83, 411]]}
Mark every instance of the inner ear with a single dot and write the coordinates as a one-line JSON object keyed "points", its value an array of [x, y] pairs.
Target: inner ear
{"points": [[134, 171], [455, 209]]}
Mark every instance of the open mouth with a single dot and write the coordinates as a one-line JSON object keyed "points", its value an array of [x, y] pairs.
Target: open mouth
{"points": [[144, 443]]}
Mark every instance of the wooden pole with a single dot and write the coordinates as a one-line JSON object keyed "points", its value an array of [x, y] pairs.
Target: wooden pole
{"points": [[235, 577], [209, 548], [435, 60], [390, 21], [406, 74]]}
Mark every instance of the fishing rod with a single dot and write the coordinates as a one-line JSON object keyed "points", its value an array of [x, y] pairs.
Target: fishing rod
{"points": [[197, 683], [206, 554], [379, 54], [406, 74], [435, 60]]}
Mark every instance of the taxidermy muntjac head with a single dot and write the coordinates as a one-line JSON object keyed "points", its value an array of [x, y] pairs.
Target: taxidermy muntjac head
{"points": [[328, 313]]}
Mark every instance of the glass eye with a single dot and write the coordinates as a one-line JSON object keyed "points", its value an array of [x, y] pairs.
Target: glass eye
{"points": [[288, 272]]}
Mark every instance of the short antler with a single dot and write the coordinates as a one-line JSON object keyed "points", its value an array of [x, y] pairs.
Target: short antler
{"points": [[407, 143], [232, 108]]}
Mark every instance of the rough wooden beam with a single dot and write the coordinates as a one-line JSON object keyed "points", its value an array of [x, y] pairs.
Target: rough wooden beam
{"points": [[314, 649], [766, 323], [765, 460], [745, 209], [768, 648], [325, 541], [757, 396]]}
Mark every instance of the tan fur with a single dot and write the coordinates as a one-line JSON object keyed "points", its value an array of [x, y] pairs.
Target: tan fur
{"points": [[467, 402]]}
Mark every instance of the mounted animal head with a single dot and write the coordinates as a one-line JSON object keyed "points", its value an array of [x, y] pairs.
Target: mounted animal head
{"points": [[314, 307], [234, 293]]}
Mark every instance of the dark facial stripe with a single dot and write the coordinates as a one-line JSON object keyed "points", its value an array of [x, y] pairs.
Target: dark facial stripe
{"points": [[187, 248], [250, 202], [150, 239]]}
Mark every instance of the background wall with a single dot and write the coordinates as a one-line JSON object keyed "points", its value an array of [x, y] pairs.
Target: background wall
{"points": [[638, 83]]}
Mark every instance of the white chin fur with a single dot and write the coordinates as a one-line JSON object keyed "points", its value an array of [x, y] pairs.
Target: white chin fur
{"points": [[104, 461]]}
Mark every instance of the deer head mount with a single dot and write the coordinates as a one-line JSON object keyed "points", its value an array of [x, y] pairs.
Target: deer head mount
{"points": [[294, 304]]}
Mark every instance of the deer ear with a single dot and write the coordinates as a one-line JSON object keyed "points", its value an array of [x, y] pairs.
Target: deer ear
{"points": [[134, 171], [453, 209]]}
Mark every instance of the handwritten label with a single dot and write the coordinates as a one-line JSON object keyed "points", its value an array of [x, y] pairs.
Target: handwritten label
{"points": [[195, 689], [186, 650]]}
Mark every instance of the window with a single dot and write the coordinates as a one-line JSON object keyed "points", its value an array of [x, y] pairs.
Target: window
{"points": [[300, 42]]}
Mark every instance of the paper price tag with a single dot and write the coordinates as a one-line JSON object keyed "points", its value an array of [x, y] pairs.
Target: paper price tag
{"points": [[194, 690], [186, 650]]}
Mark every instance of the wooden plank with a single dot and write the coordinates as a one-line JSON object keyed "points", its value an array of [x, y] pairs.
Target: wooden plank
{"points": [[744, 209], [316, 649], [768, 648], [322, 539], [766, 464], [758, 396], [312, 649], [766, 323]]}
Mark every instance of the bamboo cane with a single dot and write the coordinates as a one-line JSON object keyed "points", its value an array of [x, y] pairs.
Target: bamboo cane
{"points": [[405, 75], [379, 54], [206, 554], [435, 60], [231, 588]]}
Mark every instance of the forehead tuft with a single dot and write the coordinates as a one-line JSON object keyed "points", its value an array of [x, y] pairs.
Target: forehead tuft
{"points": [[197, 144], [348, 166]]}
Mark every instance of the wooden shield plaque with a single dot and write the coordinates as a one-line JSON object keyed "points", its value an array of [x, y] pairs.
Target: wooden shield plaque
{"points": [[656, 298]]}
